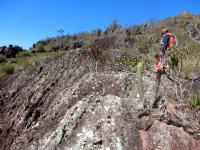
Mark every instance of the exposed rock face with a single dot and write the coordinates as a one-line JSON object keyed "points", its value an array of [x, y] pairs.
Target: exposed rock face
{"points": [[67, 104], [165, 137], [194, 32], [193, 76]]}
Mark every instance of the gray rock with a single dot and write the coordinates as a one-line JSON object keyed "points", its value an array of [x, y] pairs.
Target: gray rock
{"points": [[68, 106], [193, 76]]}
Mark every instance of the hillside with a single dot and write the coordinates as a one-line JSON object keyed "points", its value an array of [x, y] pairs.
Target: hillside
{"points": [[86, 94], [143, 38]]}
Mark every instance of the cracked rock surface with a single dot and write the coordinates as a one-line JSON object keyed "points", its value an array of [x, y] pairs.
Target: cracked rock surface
{"points": [[67, 104]]}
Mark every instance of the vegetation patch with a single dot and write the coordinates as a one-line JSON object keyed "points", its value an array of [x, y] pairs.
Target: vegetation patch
{"points": [[128, 62], [25, 61], [195, 101], [131, 63], [7, 69]]}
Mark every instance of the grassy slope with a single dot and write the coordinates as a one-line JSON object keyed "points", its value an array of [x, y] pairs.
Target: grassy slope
{"points": [[25, 60], [179, 26]]}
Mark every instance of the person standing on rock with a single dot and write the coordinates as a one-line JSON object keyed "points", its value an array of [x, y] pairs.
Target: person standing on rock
{"points": [[158, 65], [168, 41]]}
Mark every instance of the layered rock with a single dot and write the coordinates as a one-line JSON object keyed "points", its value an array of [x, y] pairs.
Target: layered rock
{"points": [[70, 103]]}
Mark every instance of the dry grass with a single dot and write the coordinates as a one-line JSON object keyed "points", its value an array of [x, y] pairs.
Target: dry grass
{"points": [[25, 60]]}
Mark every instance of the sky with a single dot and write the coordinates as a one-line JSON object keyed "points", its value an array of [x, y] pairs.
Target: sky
{"points": [[24, 22]]}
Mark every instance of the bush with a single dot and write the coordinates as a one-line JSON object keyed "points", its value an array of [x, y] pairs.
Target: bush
{"points": [[195, 100], [144, 49], [2, 58], [128, 62], [24, 54], [24, 63], [99, 48], [8, 69]]}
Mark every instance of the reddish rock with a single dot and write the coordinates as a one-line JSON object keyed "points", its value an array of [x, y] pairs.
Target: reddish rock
{"points": [[69, 105]]}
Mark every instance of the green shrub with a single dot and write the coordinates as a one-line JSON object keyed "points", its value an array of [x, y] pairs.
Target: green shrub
{"points": [[24, 63], [24, 54], [8, 69], [130, 62], [195, 100], [198, 26], [144, 49]]}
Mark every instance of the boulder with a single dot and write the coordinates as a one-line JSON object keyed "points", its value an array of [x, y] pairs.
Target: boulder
{"points": [[167, 137], [193, 76]]}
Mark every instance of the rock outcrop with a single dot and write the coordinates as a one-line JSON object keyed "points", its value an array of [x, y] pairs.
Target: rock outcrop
{"points": [[69, 103]]}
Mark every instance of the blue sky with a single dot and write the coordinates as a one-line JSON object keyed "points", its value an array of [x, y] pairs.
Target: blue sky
{"points": [[24, 22]]}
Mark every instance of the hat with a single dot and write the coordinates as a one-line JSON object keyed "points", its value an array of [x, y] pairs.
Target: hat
{"points": [[165, 30]]}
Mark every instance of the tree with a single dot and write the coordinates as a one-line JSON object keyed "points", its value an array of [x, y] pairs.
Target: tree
{"points": [[10, 46], [115, 25], [60, 32], [99, 32]]}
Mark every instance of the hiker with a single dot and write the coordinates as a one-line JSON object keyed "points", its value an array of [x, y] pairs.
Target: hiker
{"points": [[158, 66], [168, 40]]}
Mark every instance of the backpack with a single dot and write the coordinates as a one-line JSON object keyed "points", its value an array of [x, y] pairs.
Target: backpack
{"points": [[172, 40]]}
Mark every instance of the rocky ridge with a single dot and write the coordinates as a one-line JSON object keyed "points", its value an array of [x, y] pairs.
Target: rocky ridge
{"points": [[70, 102]]}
